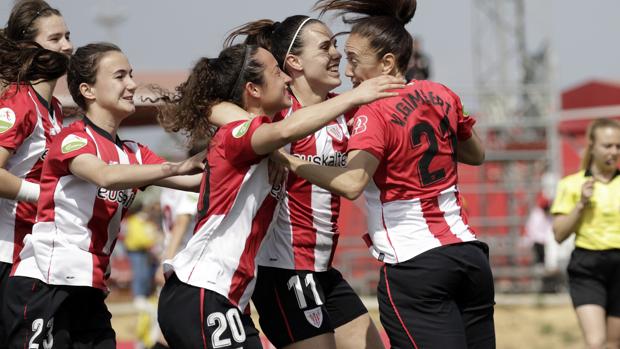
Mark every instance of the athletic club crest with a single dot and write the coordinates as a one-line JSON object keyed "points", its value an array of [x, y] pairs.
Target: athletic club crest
{"points": [[336, 132], [314, 317]]}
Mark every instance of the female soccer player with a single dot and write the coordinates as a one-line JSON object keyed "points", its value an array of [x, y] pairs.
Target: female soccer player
{"points": [[297, 288], [89, 179], [201, 303], [34, 50], [436, 287], [587, 204]]}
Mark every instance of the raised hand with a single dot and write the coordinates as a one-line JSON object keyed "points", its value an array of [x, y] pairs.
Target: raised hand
{"points": [[377, 88], [587, 189]]}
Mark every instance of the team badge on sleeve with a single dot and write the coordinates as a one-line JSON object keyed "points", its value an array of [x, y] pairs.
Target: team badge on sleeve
{"points": [[72, 143], [7, 119], [314, 316], [241, 130]]}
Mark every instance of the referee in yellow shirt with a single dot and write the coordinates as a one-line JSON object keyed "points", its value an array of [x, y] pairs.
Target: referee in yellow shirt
{"points": [[588, 204]]}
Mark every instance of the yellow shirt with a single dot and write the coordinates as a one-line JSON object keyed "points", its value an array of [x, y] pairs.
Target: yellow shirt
{"points": [[599, 228]]}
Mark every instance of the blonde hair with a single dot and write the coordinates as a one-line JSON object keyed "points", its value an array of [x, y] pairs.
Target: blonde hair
{"points": [[586, 160]]}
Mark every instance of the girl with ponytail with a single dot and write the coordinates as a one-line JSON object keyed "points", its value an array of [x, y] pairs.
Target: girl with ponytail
{"points": [[302, 240], [210, 282], [436, 286], [34, 53]]}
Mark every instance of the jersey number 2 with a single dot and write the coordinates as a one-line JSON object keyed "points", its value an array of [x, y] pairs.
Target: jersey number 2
{"points": [[424, 128]]}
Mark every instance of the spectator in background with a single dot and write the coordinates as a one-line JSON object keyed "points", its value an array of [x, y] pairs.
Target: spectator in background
{"points": [[142, 235], [538, 229], [549, 257], [588, 204], [419, 67]]}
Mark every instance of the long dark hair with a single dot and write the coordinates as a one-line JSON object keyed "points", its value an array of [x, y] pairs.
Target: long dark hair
{"points": [[83, 68], [211, 81], [275, 37], [21, 59], [382, 22], [20, 26]]}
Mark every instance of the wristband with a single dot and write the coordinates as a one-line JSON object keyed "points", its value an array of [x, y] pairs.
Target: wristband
{"points": [[28, 192]]}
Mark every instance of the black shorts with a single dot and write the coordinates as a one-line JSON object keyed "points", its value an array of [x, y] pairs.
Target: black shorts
{"points": [[294, 305], [594, 278], [65, 316], [193, 317], [5, 270], [442, 298]]}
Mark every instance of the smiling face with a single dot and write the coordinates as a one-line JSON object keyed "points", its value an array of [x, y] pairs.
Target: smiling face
{"points": [[53, 34], [114, 86], [362, 61], [319, 58], [273, 92], [605, 149]]}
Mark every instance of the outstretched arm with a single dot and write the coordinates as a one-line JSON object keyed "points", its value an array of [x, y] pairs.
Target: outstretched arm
{"points": [[270, 137], [347, 181], [120, 177]]}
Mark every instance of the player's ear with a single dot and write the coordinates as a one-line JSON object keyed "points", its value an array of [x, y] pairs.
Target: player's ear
{"points": [[87, 91]]}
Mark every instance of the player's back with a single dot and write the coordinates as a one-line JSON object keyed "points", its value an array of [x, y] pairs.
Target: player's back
{"points": [[413, 200]]}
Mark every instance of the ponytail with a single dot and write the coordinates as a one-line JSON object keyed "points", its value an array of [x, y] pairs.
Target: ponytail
{"points": [[212, 80], [25, 62], [382, 22], [280, 38]]}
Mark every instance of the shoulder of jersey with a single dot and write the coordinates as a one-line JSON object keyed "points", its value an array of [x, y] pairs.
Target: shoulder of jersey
{"points": [[10, 104], [7, 119], [241, 129], [73, 142], [71, 138]]}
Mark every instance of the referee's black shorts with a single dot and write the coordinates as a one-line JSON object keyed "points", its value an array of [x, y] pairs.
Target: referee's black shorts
{"points": [[193, 317], [440, 299], [594, 278]]}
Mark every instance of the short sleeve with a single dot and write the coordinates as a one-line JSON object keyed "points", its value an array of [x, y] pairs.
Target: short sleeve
{"points": [[66, 147], [464, 122], [149, 157], [237, 140], [17, 122], [368, 132], [566, 198]]}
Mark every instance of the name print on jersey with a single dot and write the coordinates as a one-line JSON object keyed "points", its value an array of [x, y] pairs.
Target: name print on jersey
{"points": [[119, 196], [409, 103], [338, 159]]}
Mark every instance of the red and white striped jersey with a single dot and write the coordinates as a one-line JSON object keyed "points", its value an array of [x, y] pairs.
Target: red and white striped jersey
{"points": [[27, 124], [235, 209], [174, 203], [77, 221], [413, 201], [304, 234]]}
